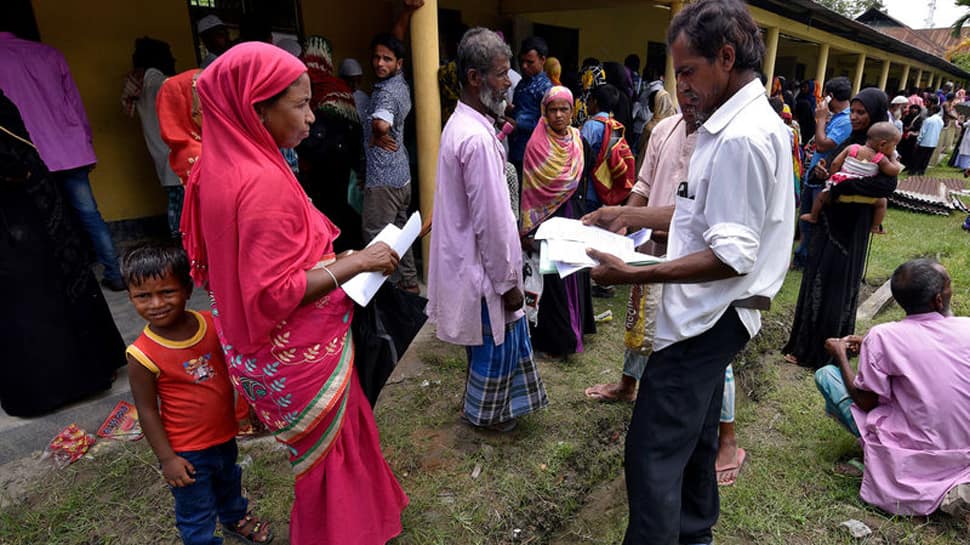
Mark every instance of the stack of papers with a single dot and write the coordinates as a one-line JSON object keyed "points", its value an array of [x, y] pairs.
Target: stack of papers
{"points": [[563, 244], [361, 288]]}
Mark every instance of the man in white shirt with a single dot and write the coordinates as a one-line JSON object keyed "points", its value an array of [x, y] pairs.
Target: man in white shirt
{"points": [[728, 249]]}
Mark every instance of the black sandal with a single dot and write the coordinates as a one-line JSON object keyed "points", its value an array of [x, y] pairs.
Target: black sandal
{"points": [[242, 530]]}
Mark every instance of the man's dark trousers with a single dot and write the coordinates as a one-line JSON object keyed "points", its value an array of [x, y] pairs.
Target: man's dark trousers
{"points": [[671, 446]]}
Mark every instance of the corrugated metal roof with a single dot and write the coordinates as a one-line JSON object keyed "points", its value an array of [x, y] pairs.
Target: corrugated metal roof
{"points": [[821, 17], [929, 195]]}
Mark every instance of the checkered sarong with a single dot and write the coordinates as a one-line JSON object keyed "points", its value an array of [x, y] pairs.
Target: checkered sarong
{"points": [[503, 381]]}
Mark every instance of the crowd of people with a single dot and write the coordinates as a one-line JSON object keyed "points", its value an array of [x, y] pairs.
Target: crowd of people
{"points": [[279, 170]]}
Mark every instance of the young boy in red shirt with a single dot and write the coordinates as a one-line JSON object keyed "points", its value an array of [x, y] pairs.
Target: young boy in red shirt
{"points": [[185, 400]]}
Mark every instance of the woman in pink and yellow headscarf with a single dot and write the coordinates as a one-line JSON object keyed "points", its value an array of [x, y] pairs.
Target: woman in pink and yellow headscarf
{"points": [[552, 171]]}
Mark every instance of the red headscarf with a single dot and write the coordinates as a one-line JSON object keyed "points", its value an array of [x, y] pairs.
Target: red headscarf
{"points": [[180, 121], [250, 231]]}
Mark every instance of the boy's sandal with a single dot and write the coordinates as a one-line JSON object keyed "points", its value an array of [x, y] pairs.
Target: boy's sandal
{"points": [[251, 530]]}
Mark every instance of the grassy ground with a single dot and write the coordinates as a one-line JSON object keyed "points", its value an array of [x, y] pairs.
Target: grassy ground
{"points": [[558, 478]]}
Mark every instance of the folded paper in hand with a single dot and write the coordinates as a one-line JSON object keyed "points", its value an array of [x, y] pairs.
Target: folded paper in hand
{"points": [[362, 287], [564, 242]]}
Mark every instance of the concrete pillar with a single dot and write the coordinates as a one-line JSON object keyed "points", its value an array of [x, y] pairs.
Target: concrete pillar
{"points": [[771, 53], [427, 107], [860, 67], [670, 78], [823, 61], [884, 75], [919, 78], [904, 82], [932, 81]]}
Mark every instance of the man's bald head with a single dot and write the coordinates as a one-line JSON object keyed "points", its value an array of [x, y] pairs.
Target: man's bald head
{"points": [[922, 285]]}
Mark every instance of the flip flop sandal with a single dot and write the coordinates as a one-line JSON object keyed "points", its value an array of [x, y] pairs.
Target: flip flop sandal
{"points": [[243, 531], [732, 472]]}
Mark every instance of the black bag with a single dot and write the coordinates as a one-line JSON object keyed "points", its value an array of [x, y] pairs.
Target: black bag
{"points": [[382, 332]]}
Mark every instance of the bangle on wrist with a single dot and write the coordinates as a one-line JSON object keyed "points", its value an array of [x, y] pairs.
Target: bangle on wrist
{"points": [[336, 285]]}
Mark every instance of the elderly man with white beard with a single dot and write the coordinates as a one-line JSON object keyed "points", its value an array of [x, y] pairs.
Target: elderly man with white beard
{"points": [[475, 267]]}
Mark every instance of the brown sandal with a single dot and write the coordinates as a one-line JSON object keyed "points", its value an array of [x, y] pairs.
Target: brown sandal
{"points": [[251, 530]]}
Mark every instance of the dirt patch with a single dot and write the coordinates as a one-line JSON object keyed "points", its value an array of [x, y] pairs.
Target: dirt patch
{"points": [[18, 477]]}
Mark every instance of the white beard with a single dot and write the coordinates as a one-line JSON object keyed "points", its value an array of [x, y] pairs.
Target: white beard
{"points": [[492, 104]]}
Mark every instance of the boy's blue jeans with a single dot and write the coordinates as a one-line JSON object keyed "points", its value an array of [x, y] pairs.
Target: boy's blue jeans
{"points": [[217, 492]]}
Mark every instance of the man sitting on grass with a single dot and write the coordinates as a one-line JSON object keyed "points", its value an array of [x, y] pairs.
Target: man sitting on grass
{"points": [[910, 402]]}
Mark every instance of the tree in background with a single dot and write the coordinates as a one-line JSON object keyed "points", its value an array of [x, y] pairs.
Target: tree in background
{"points": [[852, 8], [960, 53]]}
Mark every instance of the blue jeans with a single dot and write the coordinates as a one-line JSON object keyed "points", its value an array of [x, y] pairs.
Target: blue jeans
{"points": [[809, 193], [829, 381], [77, 190], [217, 492]]}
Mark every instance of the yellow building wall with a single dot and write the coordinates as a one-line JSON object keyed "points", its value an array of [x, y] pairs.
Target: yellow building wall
{"points": [[97, 39], [598, 29]]}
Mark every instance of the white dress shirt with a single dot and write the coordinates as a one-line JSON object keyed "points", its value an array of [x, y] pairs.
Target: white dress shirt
{"points": [[738, 203]]}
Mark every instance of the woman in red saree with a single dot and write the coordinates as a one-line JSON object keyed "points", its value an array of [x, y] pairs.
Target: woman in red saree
{"points": [[266, 256]]}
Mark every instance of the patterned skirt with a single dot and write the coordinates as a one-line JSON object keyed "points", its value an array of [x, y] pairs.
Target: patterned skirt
{"points": [[304, 388]]}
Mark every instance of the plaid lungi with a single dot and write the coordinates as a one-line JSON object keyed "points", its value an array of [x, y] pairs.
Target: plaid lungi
{"points": [[503, 381]]}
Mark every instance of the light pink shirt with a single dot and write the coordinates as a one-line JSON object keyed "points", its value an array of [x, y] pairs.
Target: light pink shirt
{"points": [[917, 440], [36, 78], [665, 163], [475, 250]]}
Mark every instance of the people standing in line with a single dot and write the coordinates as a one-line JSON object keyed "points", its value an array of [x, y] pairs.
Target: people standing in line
{"points": [[153, 64], [180, 121], [282, 318], [805, 106], [184, 398], [729, 234], [60, 341], [832, 128], [475, 286], [897, 109], [214, 35], [553, 69], [928, 139], [829, 292], [37, 79], [947, 138], [661, 107], [912, 124], [351, 72], [551, 187], [333, 150], [387, 189], [641, 108], [617, 76], [909, 403], [526, 107], [591, 77]]}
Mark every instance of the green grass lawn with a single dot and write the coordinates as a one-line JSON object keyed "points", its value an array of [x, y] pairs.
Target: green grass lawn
{"points": [[558, 478]]}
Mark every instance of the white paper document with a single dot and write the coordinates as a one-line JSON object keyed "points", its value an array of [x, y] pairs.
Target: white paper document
{"points": [[362, 287], [563, 244]]}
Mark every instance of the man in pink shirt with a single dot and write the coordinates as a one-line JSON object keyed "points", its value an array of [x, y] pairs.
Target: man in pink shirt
{"points": [[909, 404], [36, 78], [475, 266]]}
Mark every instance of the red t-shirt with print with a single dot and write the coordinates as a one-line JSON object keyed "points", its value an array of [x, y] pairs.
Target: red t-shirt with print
{"points": [[194, 392]]}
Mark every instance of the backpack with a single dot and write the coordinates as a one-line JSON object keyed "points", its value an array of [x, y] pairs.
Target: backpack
{"points": [[614, 171]]}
